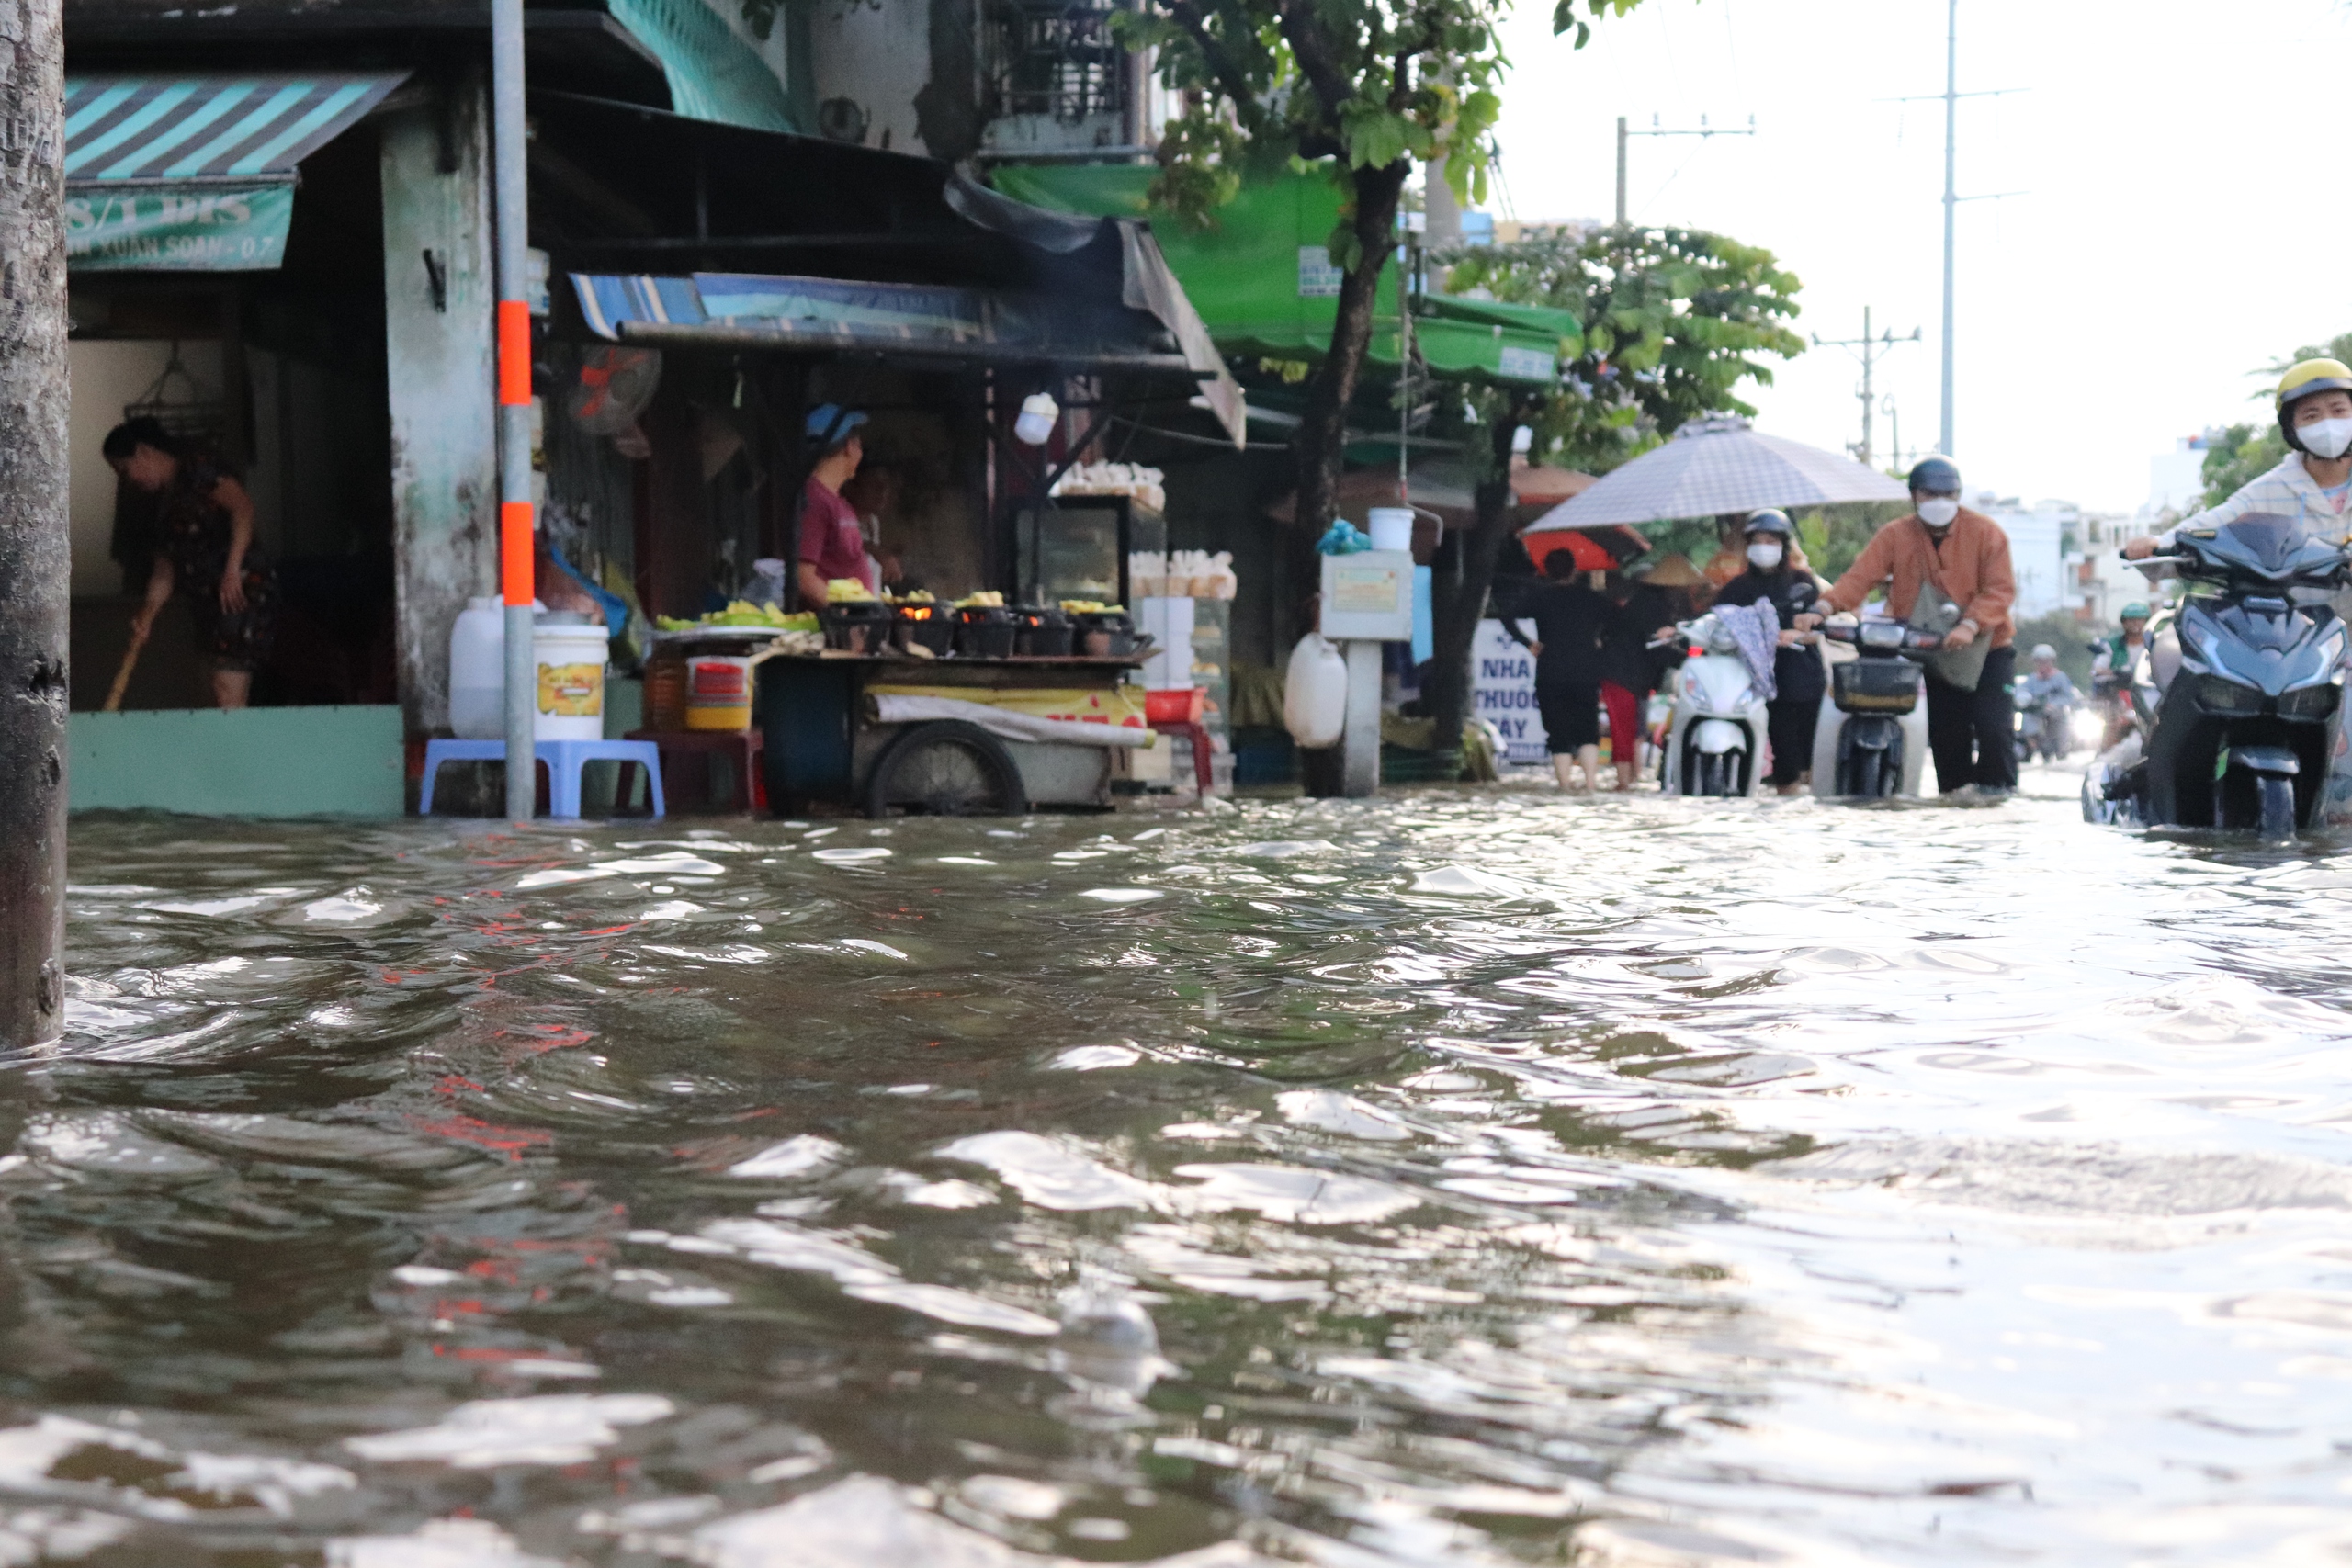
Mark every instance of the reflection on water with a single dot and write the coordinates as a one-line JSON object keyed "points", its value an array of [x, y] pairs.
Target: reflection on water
{"points": [[1465, 1178]]}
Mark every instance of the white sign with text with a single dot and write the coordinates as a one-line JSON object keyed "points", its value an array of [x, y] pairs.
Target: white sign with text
{"points": [[1502, 685]]}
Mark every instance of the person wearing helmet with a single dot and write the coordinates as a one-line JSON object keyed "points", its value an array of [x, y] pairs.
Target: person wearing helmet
{"points": [[2047, 694], [2312, 483], [2115, 654], [1797, 673], [1963, 558]]}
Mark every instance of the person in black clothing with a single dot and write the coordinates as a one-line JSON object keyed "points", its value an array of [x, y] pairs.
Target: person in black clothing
{"points": [[1797, 671], [1570, 622], [1632, 665]]}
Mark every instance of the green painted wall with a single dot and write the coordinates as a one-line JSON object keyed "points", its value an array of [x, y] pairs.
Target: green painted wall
{"points": [[305, 762]]}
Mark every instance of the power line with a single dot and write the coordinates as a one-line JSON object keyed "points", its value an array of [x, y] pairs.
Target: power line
{"points": [[1624, 135]]}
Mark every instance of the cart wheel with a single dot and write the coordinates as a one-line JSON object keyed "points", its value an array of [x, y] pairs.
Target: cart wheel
{"points": [[946, 769]]}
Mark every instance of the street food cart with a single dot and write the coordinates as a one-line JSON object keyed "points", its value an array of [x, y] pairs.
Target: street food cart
{"points": [[949, 737]]}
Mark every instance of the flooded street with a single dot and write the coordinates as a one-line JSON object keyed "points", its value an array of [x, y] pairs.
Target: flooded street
{"points": [[1467, 1178]]}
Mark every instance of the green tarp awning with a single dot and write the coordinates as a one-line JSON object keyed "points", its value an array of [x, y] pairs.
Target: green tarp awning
{"points": [[196, 173], [1263, 281]]}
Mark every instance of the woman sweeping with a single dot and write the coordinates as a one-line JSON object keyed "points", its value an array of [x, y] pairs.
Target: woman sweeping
{"points": [[203, 524]]}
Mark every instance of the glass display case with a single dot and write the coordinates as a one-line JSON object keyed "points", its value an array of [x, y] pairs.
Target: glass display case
{"points": [[1077, 548]]}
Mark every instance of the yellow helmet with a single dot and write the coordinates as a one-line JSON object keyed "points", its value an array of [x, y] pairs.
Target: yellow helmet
{"points": [[2301, 380]]}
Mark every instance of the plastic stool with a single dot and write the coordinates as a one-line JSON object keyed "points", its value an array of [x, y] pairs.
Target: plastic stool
{"points": [[1204, 768], [565, 760], [686, 765]]}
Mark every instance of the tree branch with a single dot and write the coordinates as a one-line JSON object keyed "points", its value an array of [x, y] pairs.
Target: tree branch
{"points": [[1308, 46], [1230, 75]]}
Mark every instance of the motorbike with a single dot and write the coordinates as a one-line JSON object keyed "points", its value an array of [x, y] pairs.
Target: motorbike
{"points": [[2237, 699], [1714, 742], [1873, 738], [2044, 728]]}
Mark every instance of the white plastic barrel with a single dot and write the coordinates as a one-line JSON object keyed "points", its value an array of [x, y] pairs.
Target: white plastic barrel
{"points": [[1391, 527], [1314, 694], [478, 670], [571, 661]]}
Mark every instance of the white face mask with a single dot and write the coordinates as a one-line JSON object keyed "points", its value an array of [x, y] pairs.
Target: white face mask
{"points": [[2326, 438], [1937, 511], [1764, 554]]}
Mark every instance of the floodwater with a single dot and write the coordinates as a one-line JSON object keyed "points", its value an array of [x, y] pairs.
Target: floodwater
{"points": [[1469, 1178]]}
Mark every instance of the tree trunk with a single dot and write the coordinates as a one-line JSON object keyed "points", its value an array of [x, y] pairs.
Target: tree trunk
{"points": [[32, 523], [1457, 605], [1323, 428]]}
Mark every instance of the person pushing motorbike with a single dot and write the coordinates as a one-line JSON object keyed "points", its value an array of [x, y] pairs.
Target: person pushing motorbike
{"points": [[1961, 558], [2312, 483], [1797, 671], [2111, 671], [2046, 696]]}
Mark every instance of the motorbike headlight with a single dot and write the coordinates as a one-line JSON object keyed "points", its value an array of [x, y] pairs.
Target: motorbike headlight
{"points": [[2312, 702], [2217, 695]]}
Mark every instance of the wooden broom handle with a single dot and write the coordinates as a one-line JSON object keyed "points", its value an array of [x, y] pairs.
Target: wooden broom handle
{"points": [[123, 676]]}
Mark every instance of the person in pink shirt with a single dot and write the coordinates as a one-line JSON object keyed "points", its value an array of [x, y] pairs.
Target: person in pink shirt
{"points": [[832, 545]]}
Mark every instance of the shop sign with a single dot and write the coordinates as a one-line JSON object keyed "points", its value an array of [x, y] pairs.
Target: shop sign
{"points": [[207, 228], [1503, 690]]}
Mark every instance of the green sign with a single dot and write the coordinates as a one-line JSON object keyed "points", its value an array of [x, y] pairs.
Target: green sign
{"points": [[206, 228]]}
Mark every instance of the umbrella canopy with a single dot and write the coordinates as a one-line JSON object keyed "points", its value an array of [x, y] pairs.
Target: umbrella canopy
{"points": [[1720, 465]]}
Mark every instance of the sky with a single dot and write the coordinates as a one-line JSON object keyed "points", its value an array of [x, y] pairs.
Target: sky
{"points": [[2179, 223]]}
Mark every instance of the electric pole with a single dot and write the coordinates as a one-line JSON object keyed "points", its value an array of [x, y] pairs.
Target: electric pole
{"points": [[33, 527], [1950, 96], [1951, 194], [1656, 130], [1871, 349]]}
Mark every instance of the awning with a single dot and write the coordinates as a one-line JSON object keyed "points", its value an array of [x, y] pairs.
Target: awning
{"points": [[913, 320], [1263, 282], [196, 174]]}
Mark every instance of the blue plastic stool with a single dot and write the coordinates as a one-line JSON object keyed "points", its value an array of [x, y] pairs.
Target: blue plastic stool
{"points": [[565, 760]]}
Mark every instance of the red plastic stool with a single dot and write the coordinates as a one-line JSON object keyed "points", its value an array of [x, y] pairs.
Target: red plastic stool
{"points": [[1203, 771]]}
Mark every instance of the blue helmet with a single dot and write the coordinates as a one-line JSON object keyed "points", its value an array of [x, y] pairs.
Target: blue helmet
{"points": [[1936, 476]]}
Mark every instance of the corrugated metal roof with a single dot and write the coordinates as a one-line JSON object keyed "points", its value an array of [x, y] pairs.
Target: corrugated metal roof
{"points": [[194, 128]]}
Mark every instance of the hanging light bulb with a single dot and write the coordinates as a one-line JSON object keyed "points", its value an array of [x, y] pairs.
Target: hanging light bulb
{"points": [[1038, 411]]}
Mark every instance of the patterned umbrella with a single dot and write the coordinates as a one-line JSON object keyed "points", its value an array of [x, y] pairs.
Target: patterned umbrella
{"points": [[1718, 465]]}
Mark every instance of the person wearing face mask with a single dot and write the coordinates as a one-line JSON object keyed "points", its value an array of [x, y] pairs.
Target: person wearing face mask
{"points": [[1948, 549], [1797, 670], [2313, 482]]}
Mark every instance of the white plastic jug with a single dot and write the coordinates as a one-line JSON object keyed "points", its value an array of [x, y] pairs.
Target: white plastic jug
{"points": [[1391, 527], [1315, 692], [571, 661], [478, 670]]}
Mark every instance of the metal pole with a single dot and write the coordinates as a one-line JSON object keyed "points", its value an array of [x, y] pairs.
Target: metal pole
{"points": [[1951, 197], [1621, 170], [33, 529], [516, 553], [1867, 349], [1405, 376]]}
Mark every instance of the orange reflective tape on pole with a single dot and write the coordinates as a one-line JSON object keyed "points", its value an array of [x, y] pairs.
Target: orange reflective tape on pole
{"points": [[513, 352], [515, 552]]}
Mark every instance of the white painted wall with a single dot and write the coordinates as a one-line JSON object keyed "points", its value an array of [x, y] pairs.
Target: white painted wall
{"points": [[104, 374], [879, 57]]}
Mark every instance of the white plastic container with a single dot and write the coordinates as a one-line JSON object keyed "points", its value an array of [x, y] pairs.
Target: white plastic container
{"points": [[1391, 527], [570, 660], [478, 670], [1314, 694]]}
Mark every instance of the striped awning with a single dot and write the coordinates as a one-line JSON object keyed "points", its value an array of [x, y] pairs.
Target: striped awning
{"points": [[244, 127], [825, 314]]}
